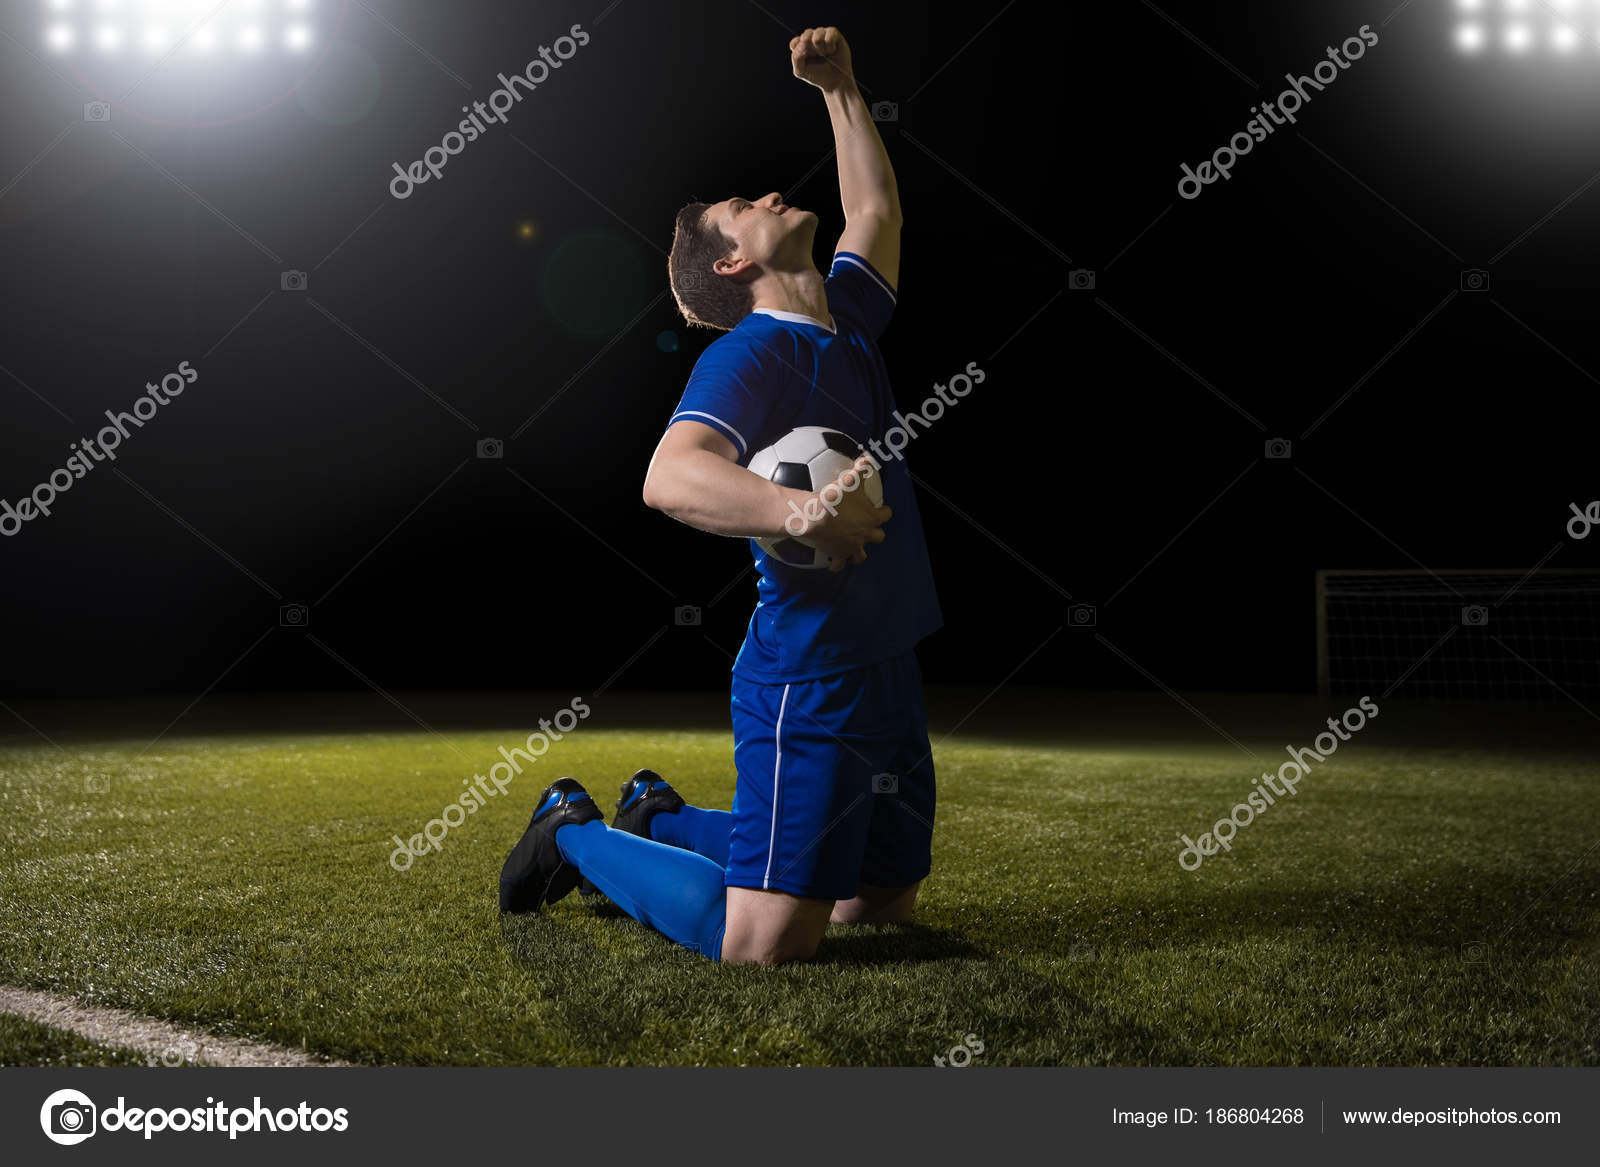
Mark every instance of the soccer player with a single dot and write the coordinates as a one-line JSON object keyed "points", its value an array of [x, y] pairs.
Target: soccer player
{"points": [[834, 800]]}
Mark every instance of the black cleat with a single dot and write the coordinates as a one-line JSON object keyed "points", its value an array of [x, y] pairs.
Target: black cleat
{"points": [[535, 873], [644, 796]]}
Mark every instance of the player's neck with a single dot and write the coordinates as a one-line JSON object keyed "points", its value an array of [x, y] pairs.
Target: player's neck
{"points": [[799, 292]]}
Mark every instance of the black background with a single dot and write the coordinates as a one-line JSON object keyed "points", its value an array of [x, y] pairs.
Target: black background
{"points": [[312, 465]]}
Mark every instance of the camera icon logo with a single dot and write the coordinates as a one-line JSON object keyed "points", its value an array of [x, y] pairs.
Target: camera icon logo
{"points": [[294, 616], [686, 616], [292, 281], [97, 111], [1278, 449], [1081, 279], [1475, 616], [491, 449], [1082, 615], [1474, 279], [886, 784], [885, 111], [68, 1117]]}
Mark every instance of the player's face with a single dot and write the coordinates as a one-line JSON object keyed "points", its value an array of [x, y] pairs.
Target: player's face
{"points": [[767, 232]]}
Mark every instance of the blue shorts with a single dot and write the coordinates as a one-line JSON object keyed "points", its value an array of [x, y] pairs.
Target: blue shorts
{"points": [[835, 785]]}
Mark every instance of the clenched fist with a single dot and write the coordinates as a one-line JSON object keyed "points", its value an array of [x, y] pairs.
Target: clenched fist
{"points": [[820, 57]]}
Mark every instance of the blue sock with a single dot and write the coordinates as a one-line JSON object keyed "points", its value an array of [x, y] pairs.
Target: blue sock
{"points": [[705, 832], [678, 893]]}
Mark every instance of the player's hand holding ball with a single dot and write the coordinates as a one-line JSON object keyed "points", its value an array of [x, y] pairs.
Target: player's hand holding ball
{"points": [[845, 528], [821, 57]]}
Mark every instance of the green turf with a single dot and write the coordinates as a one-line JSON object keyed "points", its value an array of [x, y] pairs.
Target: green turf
{"points": [[27, 1043], [1408, 907]]}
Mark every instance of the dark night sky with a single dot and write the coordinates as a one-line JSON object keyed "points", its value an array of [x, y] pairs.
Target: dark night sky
{"points": [[326, 456]]}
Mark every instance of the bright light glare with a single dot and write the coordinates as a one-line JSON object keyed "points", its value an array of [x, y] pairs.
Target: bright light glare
{"points": [[247, 27], [1470, 38], [1565, 38], [1518, 38]]}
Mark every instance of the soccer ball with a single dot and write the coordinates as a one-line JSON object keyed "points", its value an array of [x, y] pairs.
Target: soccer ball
{"points": [[808, 458]]}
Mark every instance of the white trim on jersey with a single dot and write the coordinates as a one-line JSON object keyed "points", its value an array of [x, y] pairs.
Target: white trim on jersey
{"points": [[733, 433], [772, 837], [796, 318], [888, 291]]}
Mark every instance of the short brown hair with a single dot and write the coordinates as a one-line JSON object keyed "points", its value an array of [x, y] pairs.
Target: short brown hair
{"points": [[705, 298]]}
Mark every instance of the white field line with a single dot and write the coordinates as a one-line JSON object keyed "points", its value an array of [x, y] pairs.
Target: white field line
{"points": [[160, 1041]]}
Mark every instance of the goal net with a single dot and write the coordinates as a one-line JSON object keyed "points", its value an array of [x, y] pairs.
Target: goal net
{"points": [[1477, 635]]}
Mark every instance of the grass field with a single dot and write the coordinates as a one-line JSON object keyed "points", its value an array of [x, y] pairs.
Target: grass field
{"points": [[1409, 906]]}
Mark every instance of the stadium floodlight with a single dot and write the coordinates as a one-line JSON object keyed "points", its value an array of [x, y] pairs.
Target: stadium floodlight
{"points": [[245, 27], [1523, 27]]}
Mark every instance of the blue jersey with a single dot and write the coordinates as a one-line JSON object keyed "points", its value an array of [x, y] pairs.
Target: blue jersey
{"points": [[778, 370]]}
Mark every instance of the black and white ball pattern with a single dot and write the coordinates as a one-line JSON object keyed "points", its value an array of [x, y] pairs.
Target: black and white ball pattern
{"points": [[808, 458]]}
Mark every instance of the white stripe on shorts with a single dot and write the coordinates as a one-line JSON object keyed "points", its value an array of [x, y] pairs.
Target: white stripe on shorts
{"points": [[777, 741]]}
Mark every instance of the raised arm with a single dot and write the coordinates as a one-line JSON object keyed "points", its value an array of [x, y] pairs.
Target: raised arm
{"points": [[867, 188]]}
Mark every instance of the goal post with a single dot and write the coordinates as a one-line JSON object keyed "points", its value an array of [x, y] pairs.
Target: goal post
{"points": [[1475, 634]]}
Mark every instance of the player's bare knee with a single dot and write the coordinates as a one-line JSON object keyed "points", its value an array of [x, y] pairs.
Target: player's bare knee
{"points": [[872, 915], [877, 905], [772, 927], [769, 950]]}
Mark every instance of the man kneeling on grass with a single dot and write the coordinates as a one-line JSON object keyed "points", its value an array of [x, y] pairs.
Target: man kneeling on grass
{"points": [[833, 806]]}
